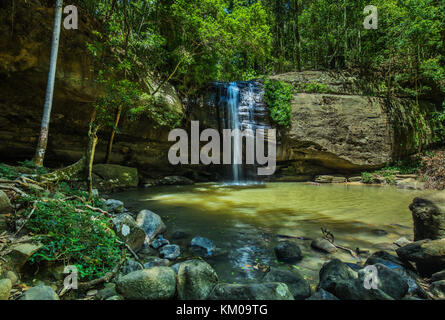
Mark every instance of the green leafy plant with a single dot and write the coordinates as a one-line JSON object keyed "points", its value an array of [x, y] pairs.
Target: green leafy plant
{"points": [[367, 177], [313, 87], [74, 234], [278, 97]]}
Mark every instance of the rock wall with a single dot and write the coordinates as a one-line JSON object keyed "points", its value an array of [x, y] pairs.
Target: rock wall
{"points": [[24, 64], [344, 129]]}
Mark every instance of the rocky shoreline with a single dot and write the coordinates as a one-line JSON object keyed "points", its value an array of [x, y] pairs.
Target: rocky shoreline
{"points": [[154, 268]]}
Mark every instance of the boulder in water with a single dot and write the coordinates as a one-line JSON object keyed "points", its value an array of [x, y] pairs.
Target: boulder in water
{"points": [[256, 291], [297, 285], [429, 216], [288, 251], [429, 256], [151, 223], [196, 279], [170, 252], [158, 283], [321, 294], [203, 246]]}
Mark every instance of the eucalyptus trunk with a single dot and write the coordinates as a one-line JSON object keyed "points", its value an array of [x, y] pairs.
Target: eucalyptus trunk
{"points": [[44, 130]]}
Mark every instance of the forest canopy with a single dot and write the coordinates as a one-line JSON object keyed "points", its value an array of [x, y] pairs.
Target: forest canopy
{"points": [[196, 41]]}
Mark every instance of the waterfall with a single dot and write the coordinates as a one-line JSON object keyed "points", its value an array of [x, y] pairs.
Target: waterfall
{"points": [[241, 107]]}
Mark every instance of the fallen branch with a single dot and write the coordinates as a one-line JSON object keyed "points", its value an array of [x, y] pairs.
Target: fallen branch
{"points": [[330, 237]]}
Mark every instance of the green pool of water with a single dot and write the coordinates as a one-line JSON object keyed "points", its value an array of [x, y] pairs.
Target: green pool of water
{"points": [[244, 221]]}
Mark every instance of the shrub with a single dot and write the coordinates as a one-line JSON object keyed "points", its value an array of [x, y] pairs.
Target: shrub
{"points": [[433, 170], [74, 234], [313, 87], [278, 96], [367, 177]]}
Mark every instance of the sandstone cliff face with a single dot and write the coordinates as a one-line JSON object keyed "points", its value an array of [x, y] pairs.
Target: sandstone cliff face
{"points": [[24, 64], [347, 130]]}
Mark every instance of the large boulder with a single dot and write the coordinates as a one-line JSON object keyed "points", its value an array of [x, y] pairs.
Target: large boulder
{"points": [[158, 283], [5, 289], [288, 251], [113, 176], [257, 291], [196, 279], [297, 285], [333, 272], [389, 281], [114, 206], [429, 216], [429, 256], [20, 254], [151, 223], [40, 292], [129, 231], [5, 204]]}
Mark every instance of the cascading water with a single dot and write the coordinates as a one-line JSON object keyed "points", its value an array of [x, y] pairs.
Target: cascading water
{"points": [[241, 107]]}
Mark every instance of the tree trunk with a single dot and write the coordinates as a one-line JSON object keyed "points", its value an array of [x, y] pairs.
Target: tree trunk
{"points": [[113, 133], [92, 143], [43, 138], [297, 37]]}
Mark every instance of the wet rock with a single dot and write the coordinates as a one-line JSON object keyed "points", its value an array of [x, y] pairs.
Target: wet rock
{"points": [[112, 176], [438, 289], [330, 179], [175, 267], [170, 252], [196, 279], [429, 216], [20, 254], [129, 231], [438, 276], [257, 291], [114, 206], [410, 184], [5, 204], [107, 292], [288, 251], [323, 245], [156, 262], [355, 290], [385, 246], [389, 281], [11, 275], [379, 232], [131, 265], [429, 256], [158, 283], [151, 223], [113, 298], [385, 258], [174, 180], [322, 295], [333, 272], [203, 246], [5, 289], [297, 285], [401, 242], [355, 179], [159, 242], [40, 292]]}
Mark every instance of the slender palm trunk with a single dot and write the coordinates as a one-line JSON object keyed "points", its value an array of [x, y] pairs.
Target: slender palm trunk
{"points": [[43, 138]]}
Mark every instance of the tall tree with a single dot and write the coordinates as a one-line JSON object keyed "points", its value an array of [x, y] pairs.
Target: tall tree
{"points": [[44, 130]]}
